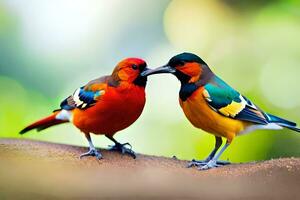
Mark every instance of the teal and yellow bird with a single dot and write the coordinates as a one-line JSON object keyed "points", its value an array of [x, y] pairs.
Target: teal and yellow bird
{"points": [[212, 105], [103, 106]]}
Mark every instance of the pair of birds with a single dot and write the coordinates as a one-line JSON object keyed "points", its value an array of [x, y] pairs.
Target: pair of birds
{"points": [[112, 103]]}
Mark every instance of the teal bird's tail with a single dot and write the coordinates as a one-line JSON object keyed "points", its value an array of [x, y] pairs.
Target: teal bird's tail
{"points": [[283, 122]]}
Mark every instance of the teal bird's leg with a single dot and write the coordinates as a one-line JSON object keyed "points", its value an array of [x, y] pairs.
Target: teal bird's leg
{"points": [[121, 147], [214, 161], [211, 155], [92, 151]]}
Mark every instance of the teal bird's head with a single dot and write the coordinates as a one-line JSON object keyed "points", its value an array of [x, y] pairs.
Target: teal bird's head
{"points": [[187, 67]]}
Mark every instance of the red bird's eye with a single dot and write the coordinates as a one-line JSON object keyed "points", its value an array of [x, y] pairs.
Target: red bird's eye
{"points": [[135, 67]]}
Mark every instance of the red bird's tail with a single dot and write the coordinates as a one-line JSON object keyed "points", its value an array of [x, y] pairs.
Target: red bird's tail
{"points": [[44, 123]]}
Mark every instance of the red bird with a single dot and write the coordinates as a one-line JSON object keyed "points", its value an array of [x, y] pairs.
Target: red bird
{"points": [[103, 106]]}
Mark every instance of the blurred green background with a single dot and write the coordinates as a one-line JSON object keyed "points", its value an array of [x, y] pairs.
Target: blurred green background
{"points": [[49, 48]]}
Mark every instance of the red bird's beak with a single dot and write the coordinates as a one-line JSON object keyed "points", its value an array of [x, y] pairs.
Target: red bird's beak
{"points": [[159, 70]]}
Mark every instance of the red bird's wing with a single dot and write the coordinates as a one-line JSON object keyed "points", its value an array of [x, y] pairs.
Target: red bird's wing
{"points": [[86, 96]]}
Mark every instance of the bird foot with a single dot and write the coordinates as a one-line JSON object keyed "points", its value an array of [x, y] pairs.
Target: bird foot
{"points": [[92, 152], [213, 164], [196, 163], [123, 149], [201, 163]]}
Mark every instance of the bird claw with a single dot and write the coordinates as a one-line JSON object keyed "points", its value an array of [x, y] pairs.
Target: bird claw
{"points": [[92, 152], [123, 149], [196, 163], [202, 163], [211, 164]]}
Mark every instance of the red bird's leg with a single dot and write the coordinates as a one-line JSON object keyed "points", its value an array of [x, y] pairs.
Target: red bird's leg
{"points": [[92, 151], [121, 147], [199, 163]]}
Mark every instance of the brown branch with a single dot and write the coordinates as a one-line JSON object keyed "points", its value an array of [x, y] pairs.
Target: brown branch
{"points": [[31, 169]]}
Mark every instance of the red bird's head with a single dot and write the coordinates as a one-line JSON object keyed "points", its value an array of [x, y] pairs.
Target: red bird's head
{"points": [[129, 70], [187, 67]]}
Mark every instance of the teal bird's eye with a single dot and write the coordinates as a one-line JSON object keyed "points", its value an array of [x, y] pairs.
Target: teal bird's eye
{"points": [[135, 67], [181, 63]]}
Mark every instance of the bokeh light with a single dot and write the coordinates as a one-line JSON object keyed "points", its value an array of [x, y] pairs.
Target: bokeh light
{"points": [[195, 25]]}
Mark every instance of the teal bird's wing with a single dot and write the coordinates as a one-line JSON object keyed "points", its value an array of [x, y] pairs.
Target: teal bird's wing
{"points": [[85, 96], [230, 103]]}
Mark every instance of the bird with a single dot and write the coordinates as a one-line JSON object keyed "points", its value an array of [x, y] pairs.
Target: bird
{"points": [[212, 105], [103, 106]]}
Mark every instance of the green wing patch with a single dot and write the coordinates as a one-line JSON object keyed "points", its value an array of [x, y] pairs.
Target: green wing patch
{"points": [[230, 103]]}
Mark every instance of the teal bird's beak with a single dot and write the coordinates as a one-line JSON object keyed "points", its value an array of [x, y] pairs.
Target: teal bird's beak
{"points": [[159, 70]]}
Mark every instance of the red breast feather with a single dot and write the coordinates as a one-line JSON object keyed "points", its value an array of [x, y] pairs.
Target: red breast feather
{"points": [[117, 109]]}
